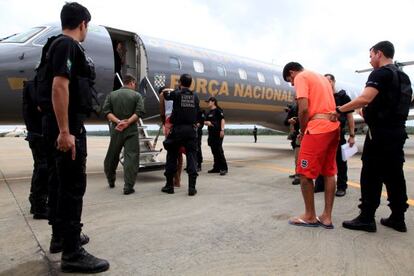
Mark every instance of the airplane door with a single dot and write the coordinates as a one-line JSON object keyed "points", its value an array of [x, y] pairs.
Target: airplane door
{"points": [[142, 62]]}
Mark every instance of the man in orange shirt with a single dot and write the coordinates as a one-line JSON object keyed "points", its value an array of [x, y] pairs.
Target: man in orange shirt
{"points": [[320, 138]]}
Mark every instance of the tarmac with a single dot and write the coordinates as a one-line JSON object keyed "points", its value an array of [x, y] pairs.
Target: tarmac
{"points": [[237, 224]]}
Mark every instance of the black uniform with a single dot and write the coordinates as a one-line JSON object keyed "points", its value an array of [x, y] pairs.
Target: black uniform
{"points": [[215, 141], [33, 120], [341, 98], [383, 154], [67, 179], [183, 134], [255, 134], [293, 113], [200, 120]]}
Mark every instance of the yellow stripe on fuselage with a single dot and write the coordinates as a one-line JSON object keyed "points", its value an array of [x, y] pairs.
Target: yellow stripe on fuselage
{"points": [[16, 83], [247, 106]]}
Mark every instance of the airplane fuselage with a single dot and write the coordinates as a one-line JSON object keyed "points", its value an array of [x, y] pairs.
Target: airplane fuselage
{"points": [[249, 91]]}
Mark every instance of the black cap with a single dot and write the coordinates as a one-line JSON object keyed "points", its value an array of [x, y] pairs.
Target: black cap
{"points": [[212, 99]]}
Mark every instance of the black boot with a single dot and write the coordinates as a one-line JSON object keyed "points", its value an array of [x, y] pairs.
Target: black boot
{"points": [[41, 215], [362, 223], [40, 212], [169, 186], [396, 222], [191, 185], [56, 243], [39, 208], [83, 262]]}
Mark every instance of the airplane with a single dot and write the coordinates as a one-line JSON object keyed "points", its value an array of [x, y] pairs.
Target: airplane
{"points": [[16, 132], [250, 92]]}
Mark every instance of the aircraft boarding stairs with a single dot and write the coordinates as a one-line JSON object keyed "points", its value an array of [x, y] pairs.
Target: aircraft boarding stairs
{"points": [[148, 155]]}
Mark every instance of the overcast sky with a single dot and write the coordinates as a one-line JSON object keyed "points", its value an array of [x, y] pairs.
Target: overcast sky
{"points": [[325, 36]]}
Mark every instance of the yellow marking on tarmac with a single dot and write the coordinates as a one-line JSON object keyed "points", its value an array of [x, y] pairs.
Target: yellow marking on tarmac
{"points": [[350, 183], [16, 83]]}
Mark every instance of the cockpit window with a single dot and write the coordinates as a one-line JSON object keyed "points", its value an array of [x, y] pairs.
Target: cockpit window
{"points": [[42, 39], [24, 36]]}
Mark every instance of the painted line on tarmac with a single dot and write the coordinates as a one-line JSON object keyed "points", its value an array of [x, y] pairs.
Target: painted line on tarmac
{"points": [[286, 170], [29, 177]]}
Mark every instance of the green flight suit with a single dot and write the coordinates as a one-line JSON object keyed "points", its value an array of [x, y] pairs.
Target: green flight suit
{"points": [[123, 103]]}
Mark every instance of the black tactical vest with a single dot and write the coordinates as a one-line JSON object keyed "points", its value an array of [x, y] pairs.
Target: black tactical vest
{"points": [[390, 108], [185, 108], [82, 95]]}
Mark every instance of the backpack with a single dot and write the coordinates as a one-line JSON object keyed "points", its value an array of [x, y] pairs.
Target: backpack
{"points": [[400, 104], [42, 83]]}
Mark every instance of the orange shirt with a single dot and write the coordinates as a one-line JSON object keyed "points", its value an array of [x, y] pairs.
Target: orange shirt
{"points": [[317, 89]]}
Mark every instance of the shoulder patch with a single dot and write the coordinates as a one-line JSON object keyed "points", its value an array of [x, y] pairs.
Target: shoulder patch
{"points": [[69, 64]]}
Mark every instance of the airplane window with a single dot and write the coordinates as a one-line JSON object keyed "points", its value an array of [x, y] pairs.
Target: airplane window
{"points": [[276, 79], [175, 63], [242, 74], [221, 70], [198, 66], [24, 36], [41, 40], [261, 77]]}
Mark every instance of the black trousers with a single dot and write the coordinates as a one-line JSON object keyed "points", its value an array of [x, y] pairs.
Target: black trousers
{"points": [[182, 136], [67, 185], [38, 189], [199, 151], [342, 175], [382, 163], [216, 145]]}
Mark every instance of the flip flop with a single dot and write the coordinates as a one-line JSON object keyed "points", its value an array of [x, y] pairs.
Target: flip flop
{"points": [[326, 226], [301, 222]]}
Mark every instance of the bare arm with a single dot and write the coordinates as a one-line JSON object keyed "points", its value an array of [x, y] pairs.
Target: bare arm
{"points": [[368, 94], [303, 113], [351, 127], [222, 123], [60, 101], [162, 108], [112, 118]]}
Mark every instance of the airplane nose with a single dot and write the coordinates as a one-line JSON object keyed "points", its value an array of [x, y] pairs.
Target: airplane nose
{"points": [[17, 63]]}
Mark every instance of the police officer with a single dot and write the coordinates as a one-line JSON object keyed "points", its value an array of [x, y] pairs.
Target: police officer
{"points": [[387, 96], [123, 108], [201, 117], [293, 122], [341, 98], [186, 105], [255, 134], [215, 122], [33, 119], [66, 106]]}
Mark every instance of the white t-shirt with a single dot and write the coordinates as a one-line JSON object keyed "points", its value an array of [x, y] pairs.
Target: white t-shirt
{"points": [[168, 108]]}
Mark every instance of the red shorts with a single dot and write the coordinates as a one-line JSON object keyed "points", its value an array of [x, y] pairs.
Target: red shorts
{"points": [[317, 154], [166, 130]]}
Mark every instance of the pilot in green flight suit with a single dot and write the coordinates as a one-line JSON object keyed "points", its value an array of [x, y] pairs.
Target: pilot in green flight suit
{"points": [[122, 108]]}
